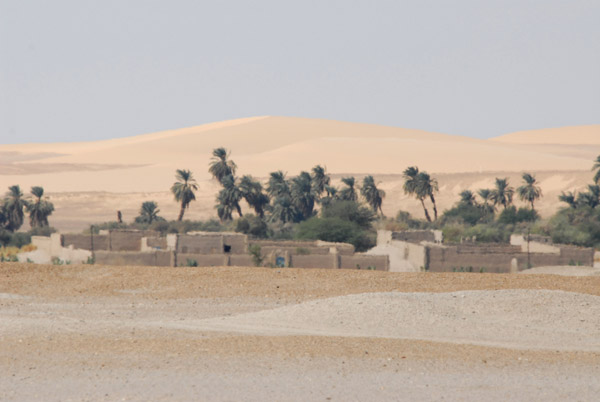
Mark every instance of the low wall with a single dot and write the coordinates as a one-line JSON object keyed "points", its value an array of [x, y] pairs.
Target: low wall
{"points": [[158, 243], [295, 250], [127, 240], [414, 236], [238, 244], [203, 260], [376, 262], [314, 261], [156, 258], [241, 260], [496, 259], [84, 241]]}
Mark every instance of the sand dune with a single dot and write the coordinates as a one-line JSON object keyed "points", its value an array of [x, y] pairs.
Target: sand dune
{"points": [[577, 135], [146, 163]]}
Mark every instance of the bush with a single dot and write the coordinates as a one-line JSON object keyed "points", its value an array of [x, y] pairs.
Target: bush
{"points": [[45, 231], [468, 214], [405, 219], [511, 215], [490, 233], [336, 230], [252, 225], [350, 211], [256, 253], [579, 226], [19, 239]]}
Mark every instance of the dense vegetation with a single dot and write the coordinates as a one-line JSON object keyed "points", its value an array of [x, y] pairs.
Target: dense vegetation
{"points": [[15, 208], [308, 206]]}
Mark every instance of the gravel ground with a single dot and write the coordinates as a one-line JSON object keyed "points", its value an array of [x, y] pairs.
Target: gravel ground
{"points": [[146, 333]]}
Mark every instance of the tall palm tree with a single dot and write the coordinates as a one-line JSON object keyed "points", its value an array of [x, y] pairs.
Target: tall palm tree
{"points": [[148, 212], [332, 194], [278, 185], [219, 166], [467, 198], [529, 191], [320, 180], [283, 209], [596, 167], [229, 199], [303, 194], [503, 193], [428, 186], [486, 196], [13, 208], [183, 190], [252, 191], [372, 194], [39, 209], [412, 186], [348, 193], [569, 198], [590, 198]]}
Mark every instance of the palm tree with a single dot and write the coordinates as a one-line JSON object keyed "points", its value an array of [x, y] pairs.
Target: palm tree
{"points": [[332, 195], [569, 198], [39, 209], [252, 191], [596, 167], [320, 180], [183, 190], [284, 209], [219, 166], [467, 198], [148, 213], [278, 185], [590, 198], [486, 196], [229, 199], [412, 186], [13, 208], [303, 194], [529, 191], [372, 194], [348, 193], [503, 193], [428, 186]]}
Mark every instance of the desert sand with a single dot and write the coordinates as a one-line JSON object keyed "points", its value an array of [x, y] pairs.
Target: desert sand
{"points": [[140, 333], [90, 181]]}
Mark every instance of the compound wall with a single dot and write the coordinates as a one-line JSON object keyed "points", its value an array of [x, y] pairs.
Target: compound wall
{"points": [[156, 258]]}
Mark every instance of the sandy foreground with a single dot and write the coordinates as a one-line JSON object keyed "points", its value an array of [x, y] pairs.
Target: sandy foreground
{"points": [[149, 333]]}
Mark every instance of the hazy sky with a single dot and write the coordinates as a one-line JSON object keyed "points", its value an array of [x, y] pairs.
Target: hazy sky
{"points": [[73, 70]]}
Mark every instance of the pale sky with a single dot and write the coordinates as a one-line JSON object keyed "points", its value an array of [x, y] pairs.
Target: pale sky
{"points": [[73, 70]]}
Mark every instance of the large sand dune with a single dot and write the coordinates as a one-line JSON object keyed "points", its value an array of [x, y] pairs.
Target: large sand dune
{"points": [[578, 135], [145, 164]]}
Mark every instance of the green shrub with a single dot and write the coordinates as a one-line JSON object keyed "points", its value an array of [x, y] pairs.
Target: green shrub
{"points": [[336, 230], [350, 211], [510, 215], [252, 225], [256, 253]]}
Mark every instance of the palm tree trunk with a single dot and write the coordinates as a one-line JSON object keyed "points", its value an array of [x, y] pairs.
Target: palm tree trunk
{"points": [[425, 209], [434, 206], [532, 208], [239, 210], [181, 212]]}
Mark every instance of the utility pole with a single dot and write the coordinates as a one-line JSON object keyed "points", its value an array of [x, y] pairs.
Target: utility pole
{"points": [[528, 254], [92, 242]]}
